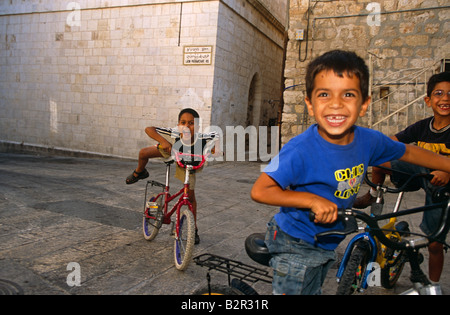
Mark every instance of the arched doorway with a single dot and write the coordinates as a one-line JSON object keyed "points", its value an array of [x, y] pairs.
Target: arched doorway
{"points": [[254, 102]]}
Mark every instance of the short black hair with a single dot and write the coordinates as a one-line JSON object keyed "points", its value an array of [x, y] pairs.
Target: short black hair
{"points": [[435, 79], [339, 61], [189, 111]]}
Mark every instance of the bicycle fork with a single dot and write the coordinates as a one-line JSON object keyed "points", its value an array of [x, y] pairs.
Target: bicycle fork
{"points": [[372, 248]]}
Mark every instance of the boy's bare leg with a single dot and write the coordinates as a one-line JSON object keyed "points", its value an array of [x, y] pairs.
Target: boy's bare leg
{"points": [[140, 172], [436, 261], [378, 178], [144, 155], [194, 212], [379, 174], [194, 205]]}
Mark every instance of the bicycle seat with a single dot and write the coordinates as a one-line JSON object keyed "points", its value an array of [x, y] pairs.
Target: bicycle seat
{"points": [[169, 161], [257, 250]]}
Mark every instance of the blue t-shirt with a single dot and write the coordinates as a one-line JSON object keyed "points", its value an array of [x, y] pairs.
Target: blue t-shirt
{"points": [[309, 163]]}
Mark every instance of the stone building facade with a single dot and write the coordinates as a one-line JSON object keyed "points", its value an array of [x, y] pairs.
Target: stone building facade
{"points": [[402, 41], [89, 76]]}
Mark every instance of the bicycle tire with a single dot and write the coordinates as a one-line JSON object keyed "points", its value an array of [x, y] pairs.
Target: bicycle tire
{"points": [[243, 287], [392, 271], [152, 223], [184, 241], [355, 269], [395, 260], [218, 289]]}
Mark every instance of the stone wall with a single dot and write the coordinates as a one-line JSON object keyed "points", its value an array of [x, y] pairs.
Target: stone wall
{"points": [[404, 37], [91, 75], [248, 49], [92, 79]]}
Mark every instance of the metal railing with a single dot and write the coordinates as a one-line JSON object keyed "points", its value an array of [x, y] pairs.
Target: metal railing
{"points": [[399, 102]]}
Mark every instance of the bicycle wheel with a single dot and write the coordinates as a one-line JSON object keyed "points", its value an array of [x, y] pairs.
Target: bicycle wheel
{"points": [[395, 260], [355, 269], [184, 241], [393, 268], [217, 289], [152, 219]]}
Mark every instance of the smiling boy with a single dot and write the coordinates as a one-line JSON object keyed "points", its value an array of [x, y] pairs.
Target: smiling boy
{"points": [[322, 169], [186, 139], [432, 133]]}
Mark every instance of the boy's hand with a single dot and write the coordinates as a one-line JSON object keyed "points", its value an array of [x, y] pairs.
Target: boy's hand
{"points": [[440, 178], [166, 146], [325, 211]]}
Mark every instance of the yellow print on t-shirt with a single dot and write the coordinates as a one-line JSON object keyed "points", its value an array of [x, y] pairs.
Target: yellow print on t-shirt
{"points": [[439, 148], [349, 181]]}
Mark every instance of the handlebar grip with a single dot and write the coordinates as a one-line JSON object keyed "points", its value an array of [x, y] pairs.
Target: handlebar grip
{"points": [[341, 215]]}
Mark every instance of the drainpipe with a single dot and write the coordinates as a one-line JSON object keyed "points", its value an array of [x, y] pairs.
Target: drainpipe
{"points": [[283, 79]]}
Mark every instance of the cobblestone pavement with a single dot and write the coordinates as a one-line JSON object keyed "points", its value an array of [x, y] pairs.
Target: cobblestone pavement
{"points": [[59, 210]]}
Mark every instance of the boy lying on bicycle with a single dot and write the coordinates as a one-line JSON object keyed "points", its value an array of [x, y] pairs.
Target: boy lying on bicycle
{"points": [[322, 169], [433, 134], [186, 139]]}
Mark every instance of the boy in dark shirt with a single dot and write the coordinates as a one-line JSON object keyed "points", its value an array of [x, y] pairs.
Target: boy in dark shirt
{"points": [[432, 134]]}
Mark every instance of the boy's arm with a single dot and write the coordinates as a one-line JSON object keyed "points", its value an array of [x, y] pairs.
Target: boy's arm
{"points": [[440, 178], [215, 150], [426, 158], [267, 191], [152, 133]]}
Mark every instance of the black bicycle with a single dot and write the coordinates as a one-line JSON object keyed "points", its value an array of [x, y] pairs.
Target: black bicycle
{"points": [[241, 276], [365, 253], [409, 245]]}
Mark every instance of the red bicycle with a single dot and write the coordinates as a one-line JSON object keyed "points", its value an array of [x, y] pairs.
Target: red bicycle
{"points": [[156, 212]]}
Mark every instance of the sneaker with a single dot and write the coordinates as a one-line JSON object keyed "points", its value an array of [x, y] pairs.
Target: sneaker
{"points": [[364, 201]]}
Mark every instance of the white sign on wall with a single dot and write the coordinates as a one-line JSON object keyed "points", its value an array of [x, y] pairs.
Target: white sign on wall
{"points": [[197, 55]]}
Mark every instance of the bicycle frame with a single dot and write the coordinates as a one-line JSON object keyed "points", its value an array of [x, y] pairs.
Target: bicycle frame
{"points": [[377, 249], [168, 198], [183, 193], [421, 284]]}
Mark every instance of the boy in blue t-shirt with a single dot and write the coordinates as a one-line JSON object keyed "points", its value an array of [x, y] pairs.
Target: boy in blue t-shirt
{"points": [[322, 169]]}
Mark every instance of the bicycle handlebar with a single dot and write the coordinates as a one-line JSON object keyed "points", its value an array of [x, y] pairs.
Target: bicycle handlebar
{"points": [[443, 201], [179, 157], [372, 223], [404, 186]]}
